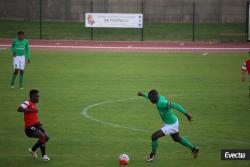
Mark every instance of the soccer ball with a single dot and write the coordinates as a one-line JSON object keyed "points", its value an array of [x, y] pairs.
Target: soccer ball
{"points": [[123, 159]]}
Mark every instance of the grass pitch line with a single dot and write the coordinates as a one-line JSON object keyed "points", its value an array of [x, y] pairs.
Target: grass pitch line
{"points": [[86, 110], [85, 113]]}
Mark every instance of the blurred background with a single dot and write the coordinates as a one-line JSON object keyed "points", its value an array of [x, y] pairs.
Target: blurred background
{"points": [[164, 20]]}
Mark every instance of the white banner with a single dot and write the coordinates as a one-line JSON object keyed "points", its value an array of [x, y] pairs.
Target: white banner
{"points": [[114, 20]]}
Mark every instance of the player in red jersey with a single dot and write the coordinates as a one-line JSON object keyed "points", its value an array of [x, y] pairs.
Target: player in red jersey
{"points": [[33, 128], [246, 69]]}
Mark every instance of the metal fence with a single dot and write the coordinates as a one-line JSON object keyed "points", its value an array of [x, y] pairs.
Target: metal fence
{"points": [[164, 20]]}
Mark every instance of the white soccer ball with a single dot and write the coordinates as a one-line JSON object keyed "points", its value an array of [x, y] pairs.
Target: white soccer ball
{"points": [[123, 159]]}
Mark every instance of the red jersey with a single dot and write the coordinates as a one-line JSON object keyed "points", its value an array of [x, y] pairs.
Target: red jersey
{"points": [[30, 118], [246, 66]]}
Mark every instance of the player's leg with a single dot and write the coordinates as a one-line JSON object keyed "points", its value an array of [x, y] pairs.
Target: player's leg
{"points": [[41, 143], [185, 142], [45, 157], [16, 70], [15, 73], [22, 65], [21, 79], [45, 133], [30, 132], [154, 144], [182, 140]]}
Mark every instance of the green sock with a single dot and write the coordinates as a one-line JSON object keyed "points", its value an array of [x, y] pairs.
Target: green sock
{"points": [[21, 81], [185, 142], [13, 79], [154, 146]]}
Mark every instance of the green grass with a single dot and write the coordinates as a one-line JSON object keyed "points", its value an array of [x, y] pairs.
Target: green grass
{"points": [[152, 31], [70, 81]]}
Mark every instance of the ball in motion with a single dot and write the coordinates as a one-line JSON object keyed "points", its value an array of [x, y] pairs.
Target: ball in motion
{"points": [[123, 159]]}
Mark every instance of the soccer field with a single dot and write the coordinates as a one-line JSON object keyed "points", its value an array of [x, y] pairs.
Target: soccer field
{"points": [[83, 135]]}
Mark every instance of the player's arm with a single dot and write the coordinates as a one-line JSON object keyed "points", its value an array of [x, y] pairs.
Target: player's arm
{"points": [[21, 109], [181, 109], [13, 48], [24, 108], [244, 69], [143, 94], [27, 51]]}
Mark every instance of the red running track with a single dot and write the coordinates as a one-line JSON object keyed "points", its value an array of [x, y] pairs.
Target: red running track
{"points": [[132, 46]]}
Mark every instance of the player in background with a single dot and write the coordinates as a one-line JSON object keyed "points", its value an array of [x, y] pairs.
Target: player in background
{"points": [[20, 49], [171, 123], [33, 128], [246, 69]]}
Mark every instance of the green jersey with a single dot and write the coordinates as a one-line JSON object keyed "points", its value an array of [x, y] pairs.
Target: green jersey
{"points": [[164, 108], [20, 48]]}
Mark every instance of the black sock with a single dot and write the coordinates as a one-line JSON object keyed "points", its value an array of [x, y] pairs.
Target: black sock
{"points": [[36, 146], [43, 148]]}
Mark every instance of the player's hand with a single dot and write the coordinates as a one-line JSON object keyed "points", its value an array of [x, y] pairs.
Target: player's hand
{"points": [[28, 61], [140, 94], [243, 79], [189, 117]]}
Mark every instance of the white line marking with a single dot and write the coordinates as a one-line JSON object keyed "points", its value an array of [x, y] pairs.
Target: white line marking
{"points": [[136, 48], [86, 110], [85, 113]]}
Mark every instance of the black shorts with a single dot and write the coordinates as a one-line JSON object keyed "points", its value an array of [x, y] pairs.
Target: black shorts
{"points": [[29, 131]]}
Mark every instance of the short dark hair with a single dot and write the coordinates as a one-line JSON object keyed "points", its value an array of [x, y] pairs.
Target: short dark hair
{"points": [[33, 92], [151, 92], [20, 33]]}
